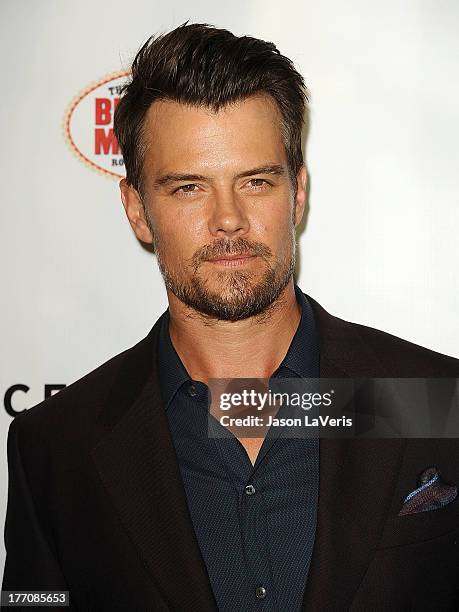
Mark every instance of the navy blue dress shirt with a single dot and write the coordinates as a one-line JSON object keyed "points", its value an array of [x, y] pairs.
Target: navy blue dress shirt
{"points": [[255, 524]]}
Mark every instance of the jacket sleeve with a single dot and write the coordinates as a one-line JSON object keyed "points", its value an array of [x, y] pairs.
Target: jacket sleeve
{"points": [[30, 562]]}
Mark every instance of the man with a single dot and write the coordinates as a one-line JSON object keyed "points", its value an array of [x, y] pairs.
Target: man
{"points": [[116, 492]]}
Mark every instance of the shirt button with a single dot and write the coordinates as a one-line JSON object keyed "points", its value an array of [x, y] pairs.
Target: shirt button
{"points": [[250, 489], [260, 592], [192, 390]]}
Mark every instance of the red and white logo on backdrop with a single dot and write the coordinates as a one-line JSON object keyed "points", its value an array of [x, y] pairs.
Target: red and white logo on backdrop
{"points": [[88, 125]]}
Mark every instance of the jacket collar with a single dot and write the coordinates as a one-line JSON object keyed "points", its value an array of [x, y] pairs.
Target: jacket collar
{"points": [[356, 482], [137, 464]]}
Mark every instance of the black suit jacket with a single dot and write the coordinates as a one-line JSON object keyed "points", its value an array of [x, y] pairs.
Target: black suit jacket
{"points": [[96, 503]]}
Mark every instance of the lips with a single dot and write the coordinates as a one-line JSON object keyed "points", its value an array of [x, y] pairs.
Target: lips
{"points": [[232, 257], [233, 260]]}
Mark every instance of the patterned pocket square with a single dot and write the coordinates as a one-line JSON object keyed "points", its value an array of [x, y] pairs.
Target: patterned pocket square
{"points": [[432, 493]]}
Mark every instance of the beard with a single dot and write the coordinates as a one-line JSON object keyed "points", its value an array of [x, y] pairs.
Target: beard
{"points": [[240, 294]]}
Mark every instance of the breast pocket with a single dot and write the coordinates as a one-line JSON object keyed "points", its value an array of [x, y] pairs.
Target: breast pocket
{"points": [[421, 526]]}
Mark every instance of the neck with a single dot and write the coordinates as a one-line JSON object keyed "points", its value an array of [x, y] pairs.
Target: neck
{"points": [[250, 348]]}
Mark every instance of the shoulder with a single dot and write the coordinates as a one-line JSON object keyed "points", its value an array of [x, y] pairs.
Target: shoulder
{"points": [[401, 356], [73, 412], [390, 355]]}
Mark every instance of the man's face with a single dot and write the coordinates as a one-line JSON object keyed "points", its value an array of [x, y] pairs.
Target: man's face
{"points": [[219, 205]]}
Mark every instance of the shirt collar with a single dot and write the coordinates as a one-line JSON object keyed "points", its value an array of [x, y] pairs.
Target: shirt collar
{"points": [[172, 372], [301, 360]]}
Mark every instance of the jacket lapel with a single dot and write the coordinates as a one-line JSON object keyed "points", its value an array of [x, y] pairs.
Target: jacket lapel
{"points": [[137, 464], [356, 482]]}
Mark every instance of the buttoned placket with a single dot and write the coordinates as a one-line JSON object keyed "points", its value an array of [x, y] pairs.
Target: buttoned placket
{"points": [[251, 505], [247, 479]]}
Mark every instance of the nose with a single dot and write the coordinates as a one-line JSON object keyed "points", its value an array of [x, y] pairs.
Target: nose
{"points": [[228, 216]]}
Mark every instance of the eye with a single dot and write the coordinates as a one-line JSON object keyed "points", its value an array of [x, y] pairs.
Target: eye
{"points": [[258, 183], [190, 188]]}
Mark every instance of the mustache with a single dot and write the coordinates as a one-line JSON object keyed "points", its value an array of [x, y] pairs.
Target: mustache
{"points": [[229, 247]]}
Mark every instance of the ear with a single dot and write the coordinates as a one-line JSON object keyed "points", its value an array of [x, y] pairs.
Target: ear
{"points": [[301, 194], [135, 211]]}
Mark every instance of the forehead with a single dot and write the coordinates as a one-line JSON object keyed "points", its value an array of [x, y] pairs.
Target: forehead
{"points": [[241, 134]]}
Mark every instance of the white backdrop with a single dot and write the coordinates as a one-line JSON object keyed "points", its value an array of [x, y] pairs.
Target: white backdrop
{"points": [[380, 246]]}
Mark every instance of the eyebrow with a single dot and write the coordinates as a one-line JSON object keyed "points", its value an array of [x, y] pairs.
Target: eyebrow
{"points": [[167, 179]]}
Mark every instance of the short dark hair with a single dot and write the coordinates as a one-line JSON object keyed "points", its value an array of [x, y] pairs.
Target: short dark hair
{"points": [[201, 65]]}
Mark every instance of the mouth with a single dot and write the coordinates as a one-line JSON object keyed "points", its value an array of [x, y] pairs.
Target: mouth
{"points": [[233, 261]]}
